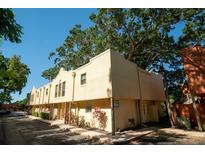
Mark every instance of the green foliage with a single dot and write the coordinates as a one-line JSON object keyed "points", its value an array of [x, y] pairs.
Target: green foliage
{"points": [[184, 122], [9, 29], [44, 115], [22, 104], [51, 73], [13, 73], [203, 126], [13, 76], [143, 36], [36, 114], [5, 97]]}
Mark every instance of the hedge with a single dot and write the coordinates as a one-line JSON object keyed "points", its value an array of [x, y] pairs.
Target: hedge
{"points": [[44, 115], [36, 114]]}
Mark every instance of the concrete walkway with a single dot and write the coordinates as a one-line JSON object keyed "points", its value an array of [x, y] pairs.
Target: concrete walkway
{"points": [[102, 136]]}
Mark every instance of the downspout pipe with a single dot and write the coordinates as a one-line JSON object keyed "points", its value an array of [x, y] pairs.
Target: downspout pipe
{"points": [[73, 94], [140, 93], [112, 115]]}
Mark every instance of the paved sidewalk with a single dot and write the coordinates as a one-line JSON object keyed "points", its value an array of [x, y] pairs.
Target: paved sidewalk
{"points": [[102, 136]]}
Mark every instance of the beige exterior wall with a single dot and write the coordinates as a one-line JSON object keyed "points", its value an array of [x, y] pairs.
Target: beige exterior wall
{"points": [[124, 78], [127, 110], [140, 111], [131, 82], [108, 75], [103, 105], [98, 83], [151, 86]]}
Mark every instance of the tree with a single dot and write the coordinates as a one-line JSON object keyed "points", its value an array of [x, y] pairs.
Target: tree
{"points": [[9, 29], [143, 36], [51, 73], [13, 76], [13, 73]]}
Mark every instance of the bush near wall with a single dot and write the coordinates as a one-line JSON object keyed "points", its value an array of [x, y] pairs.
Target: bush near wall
{"points": [[44, 115], [35, 114]]}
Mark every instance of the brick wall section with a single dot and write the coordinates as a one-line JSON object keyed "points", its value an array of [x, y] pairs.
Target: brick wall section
{"points": [[194, 65], [188, 111]]}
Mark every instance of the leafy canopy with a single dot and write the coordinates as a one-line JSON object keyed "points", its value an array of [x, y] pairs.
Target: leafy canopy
{"points": [[13, 76], [13, 73], [143, 36], [9, 29]]}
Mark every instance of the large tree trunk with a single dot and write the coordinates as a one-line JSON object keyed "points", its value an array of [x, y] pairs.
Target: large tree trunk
{"points": [[167, 102], [197, 115]]}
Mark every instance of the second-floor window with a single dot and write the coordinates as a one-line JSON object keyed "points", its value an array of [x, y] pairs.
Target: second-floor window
{"points": [[47, 91], [59, 90], [63, 89], [56, 91], [83, 79], [32, 98]]}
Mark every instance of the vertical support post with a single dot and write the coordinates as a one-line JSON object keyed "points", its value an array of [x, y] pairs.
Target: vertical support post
{"points": [[69, 117], [140, 114], [65, 113], [112, 115]]}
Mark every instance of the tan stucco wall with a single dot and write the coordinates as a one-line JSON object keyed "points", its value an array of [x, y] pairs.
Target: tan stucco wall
{"points": [[98, 83], [131, 82], [107, 75], [124, 78], [104, 105], [150, 111], [151, 86], [127, 110]]}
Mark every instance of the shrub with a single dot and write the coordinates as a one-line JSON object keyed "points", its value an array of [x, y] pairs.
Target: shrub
{"points": [[44, 115], [101, 117], [203, 126], [184, 122], [35, 114]]}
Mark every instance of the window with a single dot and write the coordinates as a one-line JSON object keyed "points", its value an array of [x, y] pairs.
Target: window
{"points": [[88, 107], [59, 90], [63, 89], [32, 98], [56, 90], [47, 91], [83, 79]]}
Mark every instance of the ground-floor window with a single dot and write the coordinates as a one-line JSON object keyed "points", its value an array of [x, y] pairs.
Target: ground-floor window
{"points": [[88, 107]]}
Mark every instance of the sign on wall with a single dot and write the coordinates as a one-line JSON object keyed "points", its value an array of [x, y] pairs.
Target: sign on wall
{"points": [[116, 104]]}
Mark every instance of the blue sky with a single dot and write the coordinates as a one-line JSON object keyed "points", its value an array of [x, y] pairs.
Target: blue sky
{"points": [[44, 31]]}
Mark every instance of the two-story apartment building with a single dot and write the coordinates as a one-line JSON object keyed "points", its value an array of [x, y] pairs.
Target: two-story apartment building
{"points": [[110, 84]]}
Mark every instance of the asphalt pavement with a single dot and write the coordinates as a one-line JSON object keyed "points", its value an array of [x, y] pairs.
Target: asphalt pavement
{"points": [[17, 129]]}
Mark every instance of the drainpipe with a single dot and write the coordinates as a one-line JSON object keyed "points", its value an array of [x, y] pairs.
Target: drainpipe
{"points": [[43, 97], [73, 94], [139, 101], [49, 102], [112, 115]]}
